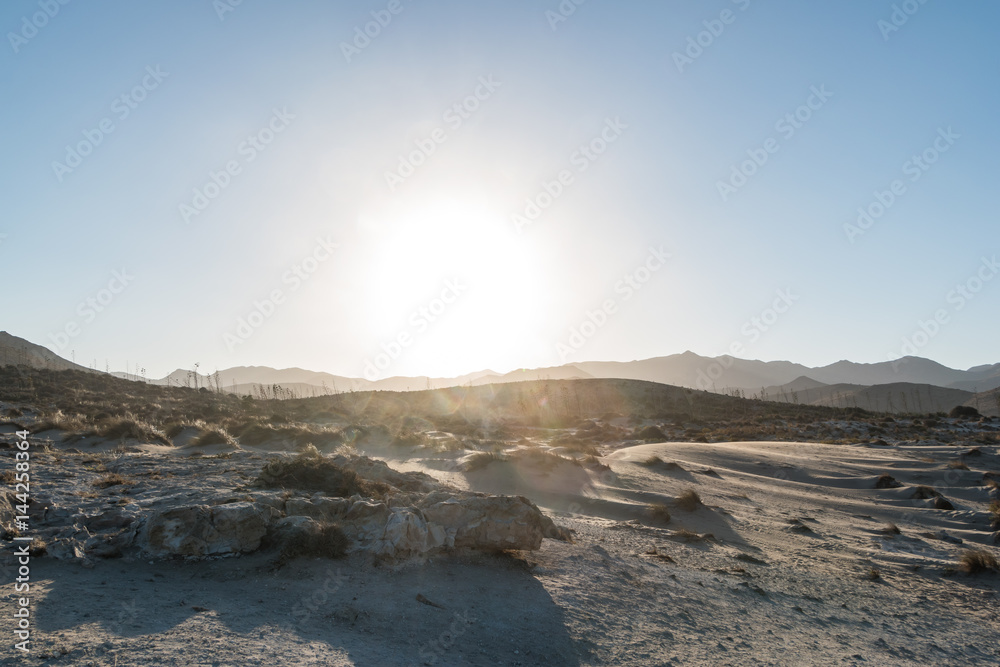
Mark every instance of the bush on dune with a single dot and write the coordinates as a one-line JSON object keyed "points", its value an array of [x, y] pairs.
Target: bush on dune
{"points": [[312, 472], [978, 560], [689, 500]]}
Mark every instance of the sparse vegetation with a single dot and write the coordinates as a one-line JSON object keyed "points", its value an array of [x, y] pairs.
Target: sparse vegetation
{"points": [[975, 561], [112, 479], [886, 481], [942, 503], [689, 500], [311, 472], [923, 492], [873, 574], [213, 436], [129, 427], [652, 461], [650, 434], [891, 529], [659, 512], [957, 465], [964, 412]]}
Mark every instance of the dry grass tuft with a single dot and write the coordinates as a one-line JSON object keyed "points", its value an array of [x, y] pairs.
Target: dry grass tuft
{"points": [[942, 503], [652, 461], [213, 436], [891, 529], [129, 427], [957, 465], [311, 472], [886, 481], [975, 561], [659, 512], [60, 421], [923, 492], [112, 479], [689, 500]]}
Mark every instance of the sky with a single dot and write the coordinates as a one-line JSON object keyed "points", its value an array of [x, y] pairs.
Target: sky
{"points": [[404, 187]]}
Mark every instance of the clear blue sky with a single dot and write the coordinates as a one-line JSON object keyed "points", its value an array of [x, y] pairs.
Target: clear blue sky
{"points": [[434, 259]]}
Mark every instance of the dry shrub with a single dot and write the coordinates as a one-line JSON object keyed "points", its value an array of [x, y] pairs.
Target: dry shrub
{"points": [[886, 481], [891, 529], [60, 421], [593, 463], [923, 492], [942, 503], [652, 461], [957, 465], [213, 436], [311, 472], [648, 433], [689, 500], [112, 479], [175, 429], [128, 427], [975, 561], [659, 512]]}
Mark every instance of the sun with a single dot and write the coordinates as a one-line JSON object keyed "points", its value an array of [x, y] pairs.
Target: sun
{"points": [[451, 281]]}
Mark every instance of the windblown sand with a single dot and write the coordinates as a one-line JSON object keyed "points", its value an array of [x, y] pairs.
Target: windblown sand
{"points": [[786, 562]]}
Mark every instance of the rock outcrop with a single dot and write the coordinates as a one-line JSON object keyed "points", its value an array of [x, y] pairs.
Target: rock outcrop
{"points": [[206, 531]]}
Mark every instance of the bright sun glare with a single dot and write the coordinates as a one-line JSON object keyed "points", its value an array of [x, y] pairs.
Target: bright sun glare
{"points": [[454, 266]]}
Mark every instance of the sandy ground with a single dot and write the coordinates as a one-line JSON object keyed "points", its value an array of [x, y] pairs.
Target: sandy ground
{"points": [[775, 568]]}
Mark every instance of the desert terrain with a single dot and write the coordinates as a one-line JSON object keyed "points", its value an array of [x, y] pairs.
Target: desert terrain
{"points": [[600, 522]]}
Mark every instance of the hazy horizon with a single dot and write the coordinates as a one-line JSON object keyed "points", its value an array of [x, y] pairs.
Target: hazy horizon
{"points": [[484, 187]]}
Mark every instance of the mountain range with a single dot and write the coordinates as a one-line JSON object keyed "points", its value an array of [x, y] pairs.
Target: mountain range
{"points": [[906, 384]]}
